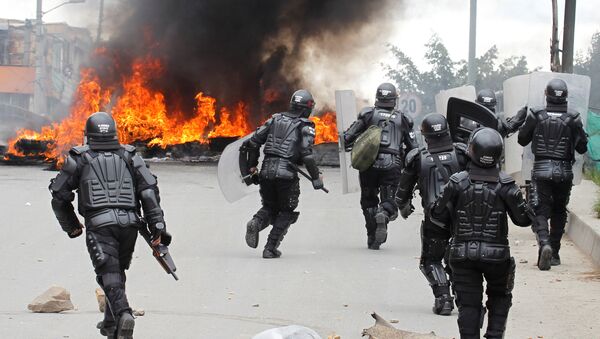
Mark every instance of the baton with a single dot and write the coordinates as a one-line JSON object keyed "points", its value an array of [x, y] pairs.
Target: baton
{"points": [[304, 174]]}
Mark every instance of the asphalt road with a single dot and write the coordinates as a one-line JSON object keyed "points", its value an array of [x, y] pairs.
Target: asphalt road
{"points": [[326, 280]]}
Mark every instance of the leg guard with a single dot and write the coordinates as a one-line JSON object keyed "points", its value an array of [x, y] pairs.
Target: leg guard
{"points": [[370, 225], [113, 285], [281, 224], [470, 321], [101, 248]]}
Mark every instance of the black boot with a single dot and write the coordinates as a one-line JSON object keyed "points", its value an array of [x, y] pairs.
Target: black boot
{"points": [[371, 226], [556, 234], [281, 224], [544, 256], [254, 226], [443, 305], [540, 227], [125, 326], [381, 219]]}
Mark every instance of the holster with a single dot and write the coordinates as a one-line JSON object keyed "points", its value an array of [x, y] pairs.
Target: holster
{"points": [[552, 170], [479, 251]]}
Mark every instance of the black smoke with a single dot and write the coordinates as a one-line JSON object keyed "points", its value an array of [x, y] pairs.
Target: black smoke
{"points": [[233, 50]]}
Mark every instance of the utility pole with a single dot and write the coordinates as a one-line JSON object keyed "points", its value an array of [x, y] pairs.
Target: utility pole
{"points": [[569, 36], [100, 19], [472, 69], [554, 43], [39, 92]]}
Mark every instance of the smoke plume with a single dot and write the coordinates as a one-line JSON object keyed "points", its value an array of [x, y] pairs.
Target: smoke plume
{"points": [[249, 50]]}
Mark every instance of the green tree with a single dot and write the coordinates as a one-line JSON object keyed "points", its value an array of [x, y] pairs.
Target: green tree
{"points": [[445, 73], [589, 64]]}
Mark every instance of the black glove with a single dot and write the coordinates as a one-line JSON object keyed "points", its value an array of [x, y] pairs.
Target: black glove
{"points": [[157, 230], [406, 209], [317, 183], [77, 231]]}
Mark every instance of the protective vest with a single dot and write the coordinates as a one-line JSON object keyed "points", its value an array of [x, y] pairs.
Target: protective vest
{"points": [[106, 182], [552, 137]]}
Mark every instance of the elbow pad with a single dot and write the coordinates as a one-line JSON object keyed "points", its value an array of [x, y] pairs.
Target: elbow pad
{"points": [[311, 166], [65, 214], [151, 206]]}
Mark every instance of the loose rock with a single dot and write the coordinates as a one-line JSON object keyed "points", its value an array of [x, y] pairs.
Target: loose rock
{"points": [[139, 313], [56, 299], [101, 299], [384, 330]]}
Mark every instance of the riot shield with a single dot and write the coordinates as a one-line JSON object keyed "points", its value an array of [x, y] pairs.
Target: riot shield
{"points": [[345, 112], [463, 92], [229, 173], [529, 90], [464, 116]]}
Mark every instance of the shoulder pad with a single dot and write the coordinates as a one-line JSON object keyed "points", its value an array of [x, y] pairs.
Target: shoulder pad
{"points": [[70, 165], [537, 110], [307, 121], [461, 148], [409, 121], [143, 170], [505, 178], [309, 129], [412, 155], [129, 148], [78, 150], [460, 176], [364, 112], [574, 114]]}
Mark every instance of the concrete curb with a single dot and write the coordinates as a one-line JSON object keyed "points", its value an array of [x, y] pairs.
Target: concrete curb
{"points": [[582, 226]]}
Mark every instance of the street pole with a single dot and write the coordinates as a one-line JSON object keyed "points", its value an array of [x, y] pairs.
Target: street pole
{"points": [[39, 93], [472, 69], [569, 36], [554, 44]]}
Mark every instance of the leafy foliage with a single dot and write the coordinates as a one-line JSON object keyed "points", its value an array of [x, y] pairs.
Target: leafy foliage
{"points": [[589, 64]]}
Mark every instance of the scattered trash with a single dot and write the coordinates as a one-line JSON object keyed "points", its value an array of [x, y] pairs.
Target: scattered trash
{"points": [[40, 260], [289, 332], [384, 330], [517, 242], [333, 336], [27, 204], [523, 261], [394, 321], [139, 312], [255, 305], [54, 300]]}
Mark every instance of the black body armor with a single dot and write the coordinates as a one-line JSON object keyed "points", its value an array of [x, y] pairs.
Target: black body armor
{"points": [[288, 139], [431, 177], [396, 135]]}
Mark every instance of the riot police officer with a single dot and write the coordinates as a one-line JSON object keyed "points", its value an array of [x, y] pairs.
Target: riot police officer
{"points": [[487, 98], [383, 176], [288, 139], [111, 182], [430, 168], [474, 204], [555, 133]]}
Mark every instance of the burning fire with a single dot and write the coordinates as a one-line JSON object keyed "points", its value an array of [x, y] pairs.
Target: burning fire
{"points": [[141, 115]]}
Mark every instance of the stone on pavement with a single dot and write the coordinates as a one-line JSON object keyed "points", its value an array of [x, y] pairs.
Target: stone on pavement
{"points": [[101, 299], [54, 300], [384, 330]]}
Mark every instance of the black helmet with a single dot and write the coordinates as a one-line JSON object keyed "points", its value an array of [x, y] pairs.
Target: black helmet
{"points": [[556, 91], [487, 98], [101, 131], [485, 147], [386, 96], [434, 125], [302, 102]]}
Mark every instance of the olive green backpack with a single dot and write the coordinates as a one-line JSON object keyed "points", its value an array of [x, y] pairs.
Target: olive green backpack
{"points": [[366, 147]]}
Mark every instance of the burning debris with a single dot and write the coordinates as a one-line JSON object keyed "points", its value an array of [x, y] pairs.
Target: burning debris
{"points": [[199, 72]]}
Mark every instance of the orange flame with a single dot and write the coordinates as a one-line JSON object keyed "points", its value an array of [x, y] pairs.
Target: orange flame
{"points": [[141, 115]]}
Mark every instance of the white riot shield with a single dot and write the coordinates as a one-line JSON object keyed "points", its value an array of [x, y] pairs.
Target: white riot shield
{"points": [[463, 92], [345, 112], [229, 174], [529, 90]]}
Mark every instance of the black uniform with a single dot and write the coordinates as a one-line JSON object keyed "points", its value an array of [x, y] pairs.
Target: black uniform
{"points": [[423, 170], [475, 203], [112, 181], [288, 139], [555, 133], [379, 183]]}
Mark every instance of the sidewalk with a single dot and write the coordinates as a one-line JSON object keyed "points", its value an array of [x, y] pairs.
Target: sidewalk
{"points": [[583, 226]]}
